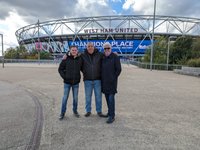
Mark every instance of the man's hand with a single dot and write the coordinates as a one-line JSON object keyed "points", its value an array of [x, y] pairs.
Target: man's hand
{"points": [[64, 57], [115, 53]]}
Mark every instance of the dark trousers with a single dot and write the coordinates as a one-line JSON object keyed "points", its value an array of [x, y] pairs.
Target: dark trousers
{"points": [[110, 99]]}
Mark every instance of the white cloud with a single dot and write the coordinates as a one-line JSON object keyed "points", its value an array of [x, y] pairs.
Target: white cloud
{"points": [[116, 1], [165, 7], [8, 28], [85, 4], [128, 4], [145, 6], [87, 8], [142, 6]]}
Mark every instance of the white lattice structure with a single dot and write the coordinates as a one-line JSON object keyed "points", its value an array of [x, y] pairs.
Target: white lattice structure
{"points": [[55, 36]]}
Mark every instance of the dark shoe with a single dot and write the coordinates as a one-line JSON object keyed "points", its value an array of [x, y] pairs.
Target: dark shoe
{"points": [[106, 115], [87, 114], [76, 114], [102, 115], [110, 120], [61, 117]]}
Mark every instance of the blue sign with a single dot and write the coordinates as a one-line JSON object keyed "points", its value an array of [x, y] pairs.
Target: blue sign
{"points": [[120, 46]]}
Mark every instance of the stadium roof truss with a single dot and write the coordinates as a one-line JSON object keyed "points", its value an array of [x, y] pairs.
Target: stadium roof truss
{"points": [[104, 28]]}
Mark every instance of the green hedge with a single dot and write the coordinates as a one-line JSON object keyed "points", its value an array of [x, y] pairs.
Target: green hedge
{"points": [[194, 62]]}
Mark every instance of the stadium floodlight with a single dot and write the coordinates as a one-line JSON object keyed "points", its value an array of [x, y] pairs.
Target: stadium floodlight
{"points": [[2, 50], [152, 39]]}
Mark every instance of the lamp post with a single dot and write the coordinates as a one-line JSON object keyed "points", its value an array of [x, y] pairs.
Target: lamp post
{"points": [[38, 42], [152, 39], [2, 50], [168, 47]]}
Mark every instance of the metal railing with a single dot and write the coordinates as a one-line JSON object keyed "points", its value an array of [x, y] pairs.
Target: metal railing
{"points": [[156, 66], [125, 61], [32, 61], [148, 66]]}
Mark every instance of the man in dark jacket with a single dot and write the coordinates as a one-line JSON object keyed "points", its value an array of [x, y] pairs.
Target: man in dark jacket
{"points": [[91, 68], [111, 69], [69, 70]]}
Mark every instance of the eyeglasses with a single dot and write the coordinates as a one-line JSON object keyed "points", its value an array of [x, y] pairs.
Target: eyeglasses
{"points": [[106, 48]]}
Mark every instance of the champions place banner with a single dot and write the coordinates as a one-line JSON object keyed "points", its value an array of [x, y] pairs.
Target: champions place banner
{"points": [[121, 46]]}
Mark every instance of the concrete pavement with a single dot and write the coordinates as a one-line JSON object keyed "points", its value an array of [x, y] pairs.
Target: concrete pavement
{"points": [[16, 116], [154, 110]]}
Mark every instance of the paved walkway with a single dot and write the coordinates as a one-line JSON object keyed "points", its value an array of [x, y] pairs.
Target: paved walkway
{"points": [[154, 110]]}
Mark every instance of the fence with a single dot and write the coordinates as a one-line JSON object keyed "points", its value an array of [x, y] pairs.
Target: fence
{"points": [[126, 61], [33, 61], [154, 66]]}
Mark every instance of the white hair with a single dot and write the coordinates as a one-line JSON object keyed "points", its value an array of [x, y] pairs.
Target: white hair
{"points": [[107, 44]]}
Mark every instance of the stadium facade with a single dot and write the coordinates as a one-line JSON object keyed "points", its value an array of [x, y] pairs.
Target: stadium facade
{"points": [[128, 34]]}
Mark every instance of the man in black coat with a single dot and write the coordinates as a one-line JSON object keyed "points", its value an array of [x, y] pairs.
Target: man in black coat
{"points": [[111, 69], [91, 68], [69, 70]]}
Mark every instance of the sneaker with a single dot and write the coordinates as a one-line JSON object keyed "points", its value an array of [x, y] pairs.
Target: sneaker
{"points": [[61, 117], [87, 114], [102, 115], [76, 114], [110, 120]]}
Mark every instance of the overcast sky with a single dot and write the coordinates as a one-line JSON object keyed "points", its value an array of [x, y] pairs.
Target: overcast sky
{"points": [[15, 14]]}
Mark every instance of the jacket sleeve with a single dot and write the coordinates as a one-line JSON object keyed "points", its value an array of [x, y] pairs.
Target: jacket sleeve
{"points": [[62, 69], [118, 68]]}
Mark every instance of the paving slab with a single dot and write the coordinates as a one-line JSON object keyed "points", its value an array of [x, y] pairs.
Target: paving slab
{"points": [[154, 110]]}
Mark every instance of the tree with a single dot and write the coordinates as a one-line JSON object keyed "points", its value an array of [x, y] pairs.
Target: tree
{"points": [[159, 53], [45, 55], [19, 52], [195, 53], [181, 50], [10, 53]]}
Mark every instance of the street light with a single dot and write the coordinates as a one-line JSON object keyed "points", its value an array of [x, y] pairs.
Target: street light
{"points": [[152, 40], [2, 50], [168, 45], [38, 42]]}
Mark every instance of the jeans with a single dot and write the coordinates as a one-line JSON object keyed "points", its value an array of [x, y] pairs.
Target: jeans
{"points": [[89, 87], [67, 88], [110, 99]]}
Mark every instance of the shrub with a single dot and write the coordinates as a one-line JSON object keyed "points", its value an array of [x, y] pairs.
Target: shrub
{"points": [[194, 62]]}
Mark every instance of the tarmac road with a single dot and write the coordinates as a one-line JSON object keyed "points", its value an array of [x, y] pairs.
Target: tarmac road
{"points": [[154, 110]]}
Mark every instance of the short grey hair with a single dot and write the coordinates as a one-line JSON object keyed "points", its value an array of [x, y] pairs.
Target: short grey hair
{"points": [[90, 43], [107, 44]]}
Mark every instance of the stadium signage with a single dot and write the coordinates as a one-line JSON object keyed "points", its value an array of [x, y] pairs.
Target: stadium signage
{"points": [[111, 30], [116, 43], [38, 45], [139, 46]]}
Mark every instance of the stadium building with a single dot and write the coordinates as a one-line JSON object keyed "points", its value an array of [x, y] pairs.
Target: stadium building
{"points": [[128, 34]]}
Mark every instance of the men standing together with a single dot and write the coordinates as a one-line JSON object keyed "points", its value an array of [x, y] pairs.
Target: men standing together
{"points": [[93, 66]]}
